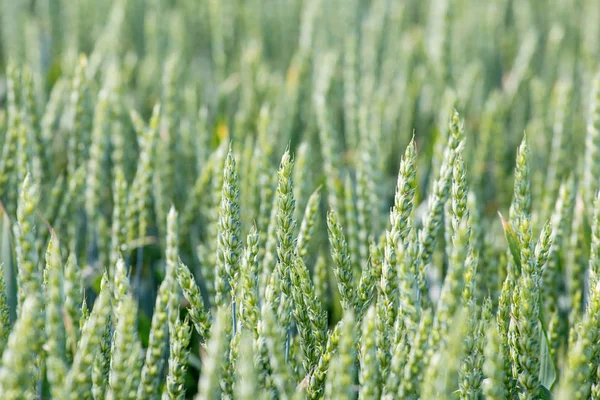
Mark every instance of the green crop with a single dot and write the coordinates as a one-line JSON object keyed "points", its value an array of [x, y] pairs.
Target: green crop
{"points": [[290, 199]]}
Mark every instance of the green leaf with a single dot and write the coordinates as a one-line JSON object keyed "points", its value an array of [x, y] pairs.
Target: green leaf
{"points": [[545, 394], [587, 233], [54, 73], [144, 327], [96, 284], [547, 368], [8, 265], [514, 245]]}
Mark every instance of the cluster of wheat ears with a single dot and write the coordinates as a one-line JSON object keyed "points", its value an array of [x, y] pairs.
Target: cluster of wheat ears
{"points": [[289, 199]]}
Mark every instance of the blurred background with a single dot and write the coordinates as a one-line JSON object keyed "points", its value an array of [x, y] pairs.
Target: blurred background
{"points": [[345, 84]]}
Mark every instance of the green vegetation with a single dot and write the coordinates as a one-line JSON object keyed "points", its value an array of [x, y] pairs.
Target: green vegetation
{"points": [[289, 199]]}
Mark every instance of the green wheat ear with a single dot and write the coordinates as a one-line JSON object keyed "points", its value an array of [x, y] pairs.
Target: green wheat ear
{"points": [[29, 276], [157, 342], [249, 308], [209, 383], [125, 351], [79, 380], [493, 367], [342, 268], [17, 369], [308, 224], [179, 338], [226, 199], [369, 368], [229, 238], [341, 371], [55, 329]]}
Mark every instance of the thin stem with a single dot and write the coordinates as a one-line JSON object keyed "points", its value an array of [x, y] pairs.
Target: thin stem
{"points": [[233, 314]]}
